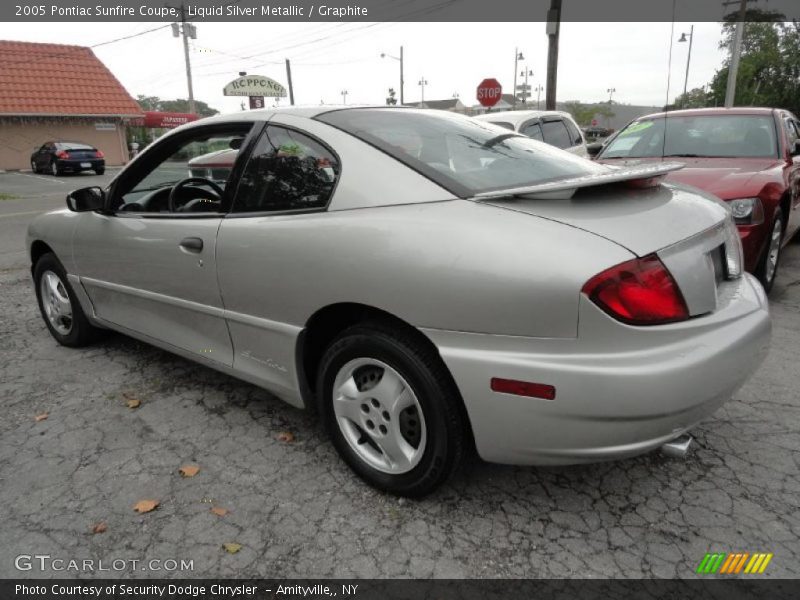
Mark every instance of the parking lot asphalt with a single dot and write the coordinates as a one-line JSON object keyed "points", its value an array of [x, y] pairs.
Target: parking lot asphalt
{"points": [[297, 511]]}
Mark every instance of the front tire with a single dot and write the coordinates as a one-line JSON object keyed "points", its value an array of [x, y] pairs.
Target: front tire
{"points": [[768, 265], [391, 409], [34, 168], [59, 306]]}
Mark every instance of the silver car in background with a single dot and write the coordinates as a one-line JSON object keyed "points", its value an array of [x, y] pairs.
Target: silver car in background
{"points": [[426, 281], [553, 127]]}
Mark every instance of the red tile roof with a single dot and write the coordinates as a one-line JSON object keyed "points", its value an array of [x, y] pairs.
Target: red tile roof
{"points": [[55, 79]]}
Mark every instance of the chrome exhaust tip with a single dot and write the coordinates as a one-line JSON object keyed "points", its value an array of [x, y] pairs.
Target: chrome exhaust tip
{"points": [[679, 447]]}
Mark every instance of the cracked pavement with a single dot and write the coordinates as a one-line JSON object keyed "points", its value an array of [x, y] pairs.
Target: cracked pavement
{"points": [[298, 511]]}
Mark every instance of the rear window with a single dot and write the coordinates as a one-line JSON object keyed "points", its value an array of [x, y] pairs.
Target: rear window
{"points": [[463, 155], [74, 146], [734, 136]]}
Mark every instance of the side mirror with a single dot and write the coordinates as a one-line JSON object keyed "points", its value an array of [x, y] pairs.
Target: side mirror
{"points": [[86, 199], [795, 150], [594, 148]]}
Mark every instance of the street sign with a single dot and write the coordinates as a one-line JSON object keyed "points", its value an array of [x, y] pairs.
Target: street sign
{"points": [[489, 92], [256, 102], [594, 122]]}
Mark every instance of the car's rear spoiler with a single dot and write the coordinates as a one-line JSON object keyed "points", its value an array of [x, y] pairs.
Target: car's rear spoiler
{"points": [[636, 176]]}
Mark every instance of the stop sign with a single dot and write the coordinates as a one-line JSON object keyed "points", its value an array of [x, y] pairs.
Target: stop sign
{"points": [[489, 91]]}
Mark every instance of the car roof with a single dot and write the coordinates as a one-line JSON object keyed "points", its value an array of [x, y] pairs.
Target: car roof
{"points": [[699, 112], [515, 117]]}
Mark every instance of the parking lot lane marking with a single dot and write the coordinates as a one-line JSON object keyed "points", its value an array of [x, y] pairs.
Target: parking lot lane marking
{"points": [[20, 214], [49, 179]]}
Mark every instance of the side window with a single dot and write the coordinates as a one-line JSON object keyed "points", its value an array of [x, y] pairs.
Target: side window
{"points": [[532, 130], [556, 134], [574, 133], [205, 154], [286, 171]]}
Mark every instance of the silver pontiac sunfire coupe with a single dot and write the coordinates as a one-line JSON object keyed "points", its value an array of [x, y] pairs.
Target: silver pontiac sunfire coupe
{"points": [[426, 281]]}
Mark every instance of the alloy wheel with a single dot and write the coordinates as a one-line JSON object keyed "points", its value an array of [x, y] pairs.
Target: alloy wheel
{"points": [[773, 253], [379, 415], [55, 302]]}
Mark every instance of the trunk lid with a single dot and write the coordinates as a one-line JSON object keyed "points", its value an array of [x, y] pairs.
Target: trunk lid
{"points": [[690, 231]]}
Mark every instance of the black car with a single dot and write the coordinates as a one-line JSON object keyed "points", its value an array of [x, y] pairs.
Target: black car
{"points": [[59, 157]]}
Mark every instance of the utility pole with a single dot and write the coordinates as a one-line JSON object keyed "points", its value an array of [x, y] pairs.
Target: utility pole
{"points": [[736, 50], [553, 27], [402, 81], [289, 80], [688, 60], [517, 57], [187, 30], [422, 83], [401, 76]]}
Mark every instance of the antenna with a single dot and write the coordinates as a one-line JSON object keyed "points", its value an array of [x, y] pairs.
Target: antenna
{"points": [[669, 76]]}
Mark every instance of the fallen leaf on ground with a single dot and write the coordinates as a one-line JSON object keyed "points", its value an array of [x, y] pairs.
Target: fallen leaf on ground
{"points": [[219, 511], [189, 470], [41, 417], [145, 506], [285, 436], [99, 527], [232, 547], [131, 402]]}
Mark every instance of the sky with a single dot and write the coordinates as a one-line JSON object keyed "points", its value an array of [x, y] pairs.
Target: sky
{"points": [[328, 58]]}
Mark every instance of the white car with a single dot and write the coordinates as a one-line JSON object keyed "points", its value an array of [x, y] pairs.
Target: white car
{"points": [[550, 126]]}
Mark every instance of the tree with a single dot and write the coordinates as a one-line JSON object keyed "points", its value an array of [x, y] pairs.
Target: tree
{"points": [[769, 66], [154, 103], [584, 113], [390, 99], [696, 98], [179, 105]]}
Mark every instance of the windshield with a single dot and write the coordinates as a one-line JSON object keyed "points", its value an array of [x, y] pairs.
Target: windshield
{"points": [[700, 136], [463, 155]]}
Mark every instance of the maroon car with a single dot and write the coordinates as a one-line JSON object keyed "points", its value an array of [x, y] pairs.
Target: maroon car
{"points": [[749, 157]]}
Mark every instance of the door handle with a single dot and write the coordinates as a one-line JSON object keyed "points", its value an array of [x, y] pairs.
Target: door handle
{"points": [[193, 244]]}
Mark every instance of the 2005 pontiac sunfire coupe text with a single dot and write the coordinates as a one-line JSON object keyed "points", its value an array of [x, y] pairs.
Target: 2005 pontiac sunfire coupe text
{"points": [[426, 281]]}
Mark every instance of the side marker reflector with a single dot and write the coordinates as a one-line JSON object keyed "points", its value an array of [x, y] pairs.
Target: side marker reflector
{"points": [[523, 388]]}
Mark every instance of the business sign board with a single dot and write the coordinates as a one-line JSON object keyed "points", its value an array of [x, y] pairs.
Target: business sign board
{"points": [[255, 85], [164, 120]]}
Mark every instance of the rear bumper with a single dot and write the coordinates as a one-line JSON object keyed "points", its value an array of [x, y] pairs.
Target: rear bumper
{"points": [[81, 165], [620, 390]]}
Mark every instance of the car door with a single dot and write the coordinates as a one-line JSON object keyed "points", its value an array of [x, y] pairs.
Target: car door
{"points": [[792, 174], [287, 183], [151, 271], [577, 143], [532, 129], [555, 133], [43, 156]]}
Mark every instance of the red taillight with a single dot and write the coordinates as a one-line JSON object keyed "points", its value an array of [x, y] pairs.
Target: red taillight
{"points": [[638, 292], [98, 154], [523, 388], [62, 154]]}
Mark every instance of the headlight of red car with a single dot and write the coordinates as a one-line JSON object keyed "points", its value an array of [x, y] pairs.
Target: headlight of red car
{"points": [[747, 211]]}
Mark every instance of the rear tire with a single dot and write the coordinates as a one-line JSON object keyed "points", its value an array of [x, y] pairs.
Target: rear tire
{"points": [[391, 409], [59, 306], [54, 170], [100, 171], [768, 265]]}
